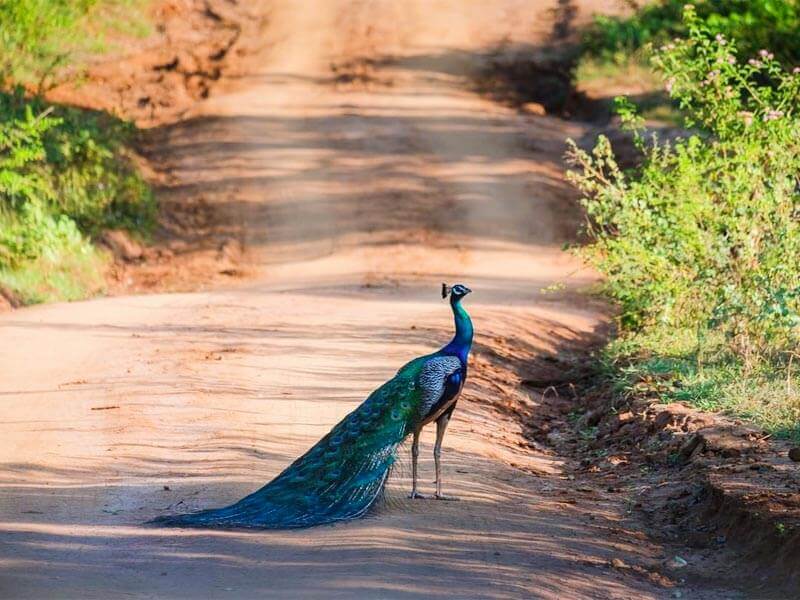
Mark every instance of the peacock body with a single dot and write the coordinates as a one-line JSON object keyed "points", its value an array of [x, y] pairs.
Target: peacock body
{"points": [[344, 474]]}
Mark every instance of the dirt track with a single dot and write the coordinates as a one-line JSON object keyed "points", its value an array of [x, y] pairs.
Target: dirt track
{"points": [[355, 190]]}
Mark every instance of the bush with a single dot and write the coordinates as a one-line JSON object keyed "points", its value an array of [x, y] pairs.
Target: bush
{"points": [[755, 23], [64, 177], [69, 163], [705, 234], [65, 174]]}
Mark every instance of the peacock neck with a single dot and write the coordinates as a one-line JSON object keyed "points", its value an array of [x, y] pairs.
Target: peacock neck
{"points": [[462, 341]]}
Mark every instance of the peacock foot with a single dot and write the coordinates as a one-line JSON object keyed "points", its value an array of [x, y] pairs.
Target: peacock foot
{"points": [[415, 495], [448, 498]]}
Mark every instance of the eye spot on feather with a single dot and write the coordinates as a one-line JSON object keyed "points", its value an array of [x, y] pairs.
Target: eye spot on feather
{"points": [[395, 415], [405, 405]]}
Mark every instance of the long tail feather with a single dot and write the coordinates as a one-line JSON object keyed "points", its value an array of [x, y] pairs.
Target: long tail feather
{"points": [[339, 478]]}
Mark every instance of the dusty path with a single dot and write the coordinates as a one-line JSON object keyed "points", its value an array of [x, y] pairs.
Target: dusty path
{"points": [[357, 191]]}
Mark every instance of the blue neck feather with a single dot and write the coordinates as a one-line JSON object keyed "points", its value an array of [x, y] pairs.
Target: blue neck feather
{"points": [[462, 341]]}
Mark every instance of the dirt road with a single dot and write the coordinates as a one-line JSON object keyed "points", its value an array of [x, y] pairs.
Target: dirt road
{"points": [[357, 186]]}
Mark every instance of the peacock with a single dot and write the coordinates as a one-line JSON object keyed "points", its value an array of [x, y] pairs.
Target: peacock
{"points": [[343, 475]]}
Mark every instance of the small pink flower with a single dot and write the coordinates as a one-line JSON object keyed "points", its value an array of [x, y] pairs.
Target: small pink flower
{"points": [[731, 59], [710, 77], [754, 63], [796, 70], [669, 84], [766, 54], [721, 39], [747, 117]]}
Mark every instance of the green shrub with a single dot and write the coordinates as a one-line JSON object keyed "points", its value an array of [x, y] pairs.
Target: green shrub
{"points": [[73, 161], [86, 160], [705, 234], [64, 177], [23, 189], [65, 173], [44, 257], [756, 24]]}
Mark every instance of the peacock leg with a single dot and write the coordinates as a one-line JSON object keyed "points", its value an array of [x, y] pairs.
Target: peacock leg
{"points": [[441, 426], [414, 456]]}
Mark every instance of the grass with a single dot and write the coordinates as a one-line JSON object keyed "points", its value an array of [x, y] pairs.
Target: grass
{"points": [[125, 17], [71, 275], [629, 75], [43, 39], [632, 70], [667, 365]]}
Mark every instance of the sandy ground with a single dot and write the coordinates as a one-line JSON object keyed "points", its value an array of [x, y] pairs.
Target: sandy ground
{"points": [[356, 187]]}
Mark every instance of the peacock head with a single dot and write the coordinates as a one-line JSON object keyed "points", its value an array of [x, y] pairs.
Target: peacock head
{"points": [[457, 292]]}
